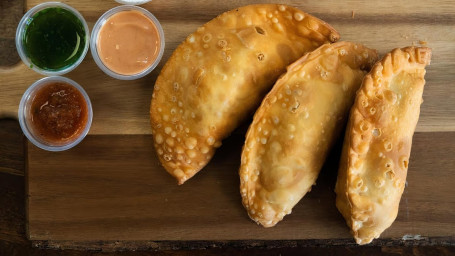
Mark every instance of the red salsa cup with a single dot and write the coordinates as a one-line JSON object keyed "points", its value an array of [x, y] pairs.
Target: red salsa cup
{"points": [[55, 113]]}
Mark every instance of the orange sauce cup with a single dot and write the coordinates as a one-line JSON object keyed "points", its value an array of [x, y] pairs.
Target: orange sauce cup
{"points": [[127, 42]]}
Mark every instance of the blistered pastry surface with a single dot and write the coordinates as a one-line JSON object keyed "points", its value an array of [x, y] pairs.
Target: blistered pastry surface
{"points": [[219, 74], [295, 126], [378, 139]]}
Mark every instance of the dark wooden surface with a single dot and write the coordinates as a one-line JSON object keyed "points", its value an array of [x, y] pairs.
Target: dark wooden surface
{"points": [[13, 240], [109, 195]]}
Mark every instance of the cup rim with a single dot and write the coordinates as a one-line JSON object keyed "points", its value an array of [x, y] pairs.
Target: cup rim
{"points": [[20, 32], [137, 2], [22, 113], [94, 40]]}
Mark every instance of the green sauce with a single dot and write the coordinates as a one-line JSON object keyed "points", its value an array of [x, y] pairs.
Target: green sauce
{"points": [[54, 39]]}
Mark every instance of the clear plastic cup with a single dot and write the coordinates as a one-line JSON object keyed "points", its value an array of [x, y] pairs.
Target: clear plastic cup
{"points": [[20, 32], [94, 42], [25, 115], [134, 2]]}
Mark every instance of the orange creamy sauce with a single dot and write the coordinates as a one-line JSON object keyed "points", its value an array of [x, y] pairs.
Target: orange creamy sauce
{"points": [[58, 112], [128, 42]]}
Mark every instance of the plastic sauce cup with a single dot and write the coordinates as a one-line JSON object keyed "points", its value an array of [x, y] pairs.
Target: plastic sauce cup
{"points": [[96, 43], [25, 115], [28, 18]]}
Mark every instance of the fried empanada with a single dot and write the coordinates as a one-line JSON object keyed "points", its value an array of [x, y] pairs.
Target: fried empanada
{"points": [[377, 143], [296, 125], [218, 76]]}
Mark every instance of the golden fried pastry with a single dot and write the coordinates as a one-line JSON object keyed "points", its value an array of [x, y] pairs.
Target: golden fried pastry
{"points": [[218, 76], [378, 141], [296, 125]]}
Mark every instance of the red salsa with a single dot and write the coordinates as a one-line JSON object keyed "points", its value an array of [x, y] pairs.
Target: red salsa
{"points": [[58, 112]]}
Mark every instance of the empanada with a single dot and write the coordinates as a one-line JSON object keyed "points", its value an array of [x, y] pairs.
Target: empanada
{"points": [[296, 125], [377, 143], [218, 76]]}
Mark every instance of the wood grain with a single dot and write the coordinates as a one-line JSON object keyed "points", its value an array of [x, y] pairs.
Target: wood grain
{"points": [[13, 239], [111, 187], [9, 17], [107, 194], [382, 25]]}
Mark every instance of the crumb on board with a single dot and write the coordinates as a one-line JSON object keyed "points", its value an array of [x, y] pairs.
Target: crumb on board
{"points": [[352, 14], [404, 36], [412, 237], [414, 43]]}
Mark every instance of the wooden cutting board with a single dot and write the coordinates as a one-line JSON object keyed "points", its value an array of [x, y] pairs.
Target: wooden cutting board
{"points": [[111, 186]]}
